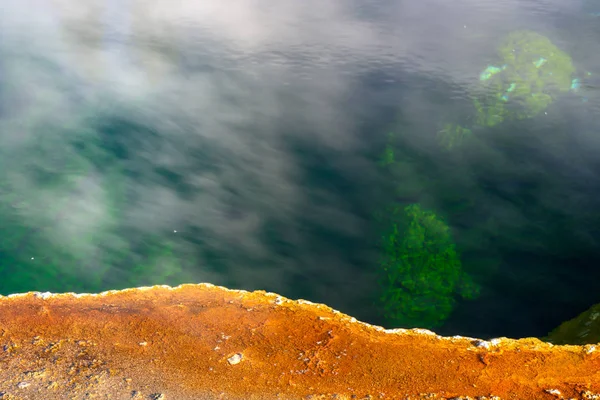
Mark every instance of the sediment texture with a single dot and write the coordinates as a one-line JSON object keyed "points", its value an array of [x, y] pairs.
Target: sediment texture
{"points": [[207, 342]]}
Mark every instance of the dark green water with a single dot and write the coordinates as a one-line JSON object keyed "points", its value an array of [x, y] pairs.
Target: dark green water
{"points": [[187, 146]]}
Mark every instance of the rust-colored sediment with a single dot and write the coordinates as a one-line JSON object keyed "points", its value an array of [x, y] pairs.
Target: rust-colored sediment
{"points": [[207, 342]]}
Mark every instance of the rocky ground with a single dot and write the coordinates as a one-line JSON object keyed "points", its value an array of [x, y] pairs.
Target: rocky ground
{"points": [[207, 342]]}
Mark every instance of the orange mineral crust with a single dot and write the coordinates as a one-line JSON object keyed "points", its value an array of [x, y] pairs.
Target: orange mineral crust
{"points": [[207, 342]]}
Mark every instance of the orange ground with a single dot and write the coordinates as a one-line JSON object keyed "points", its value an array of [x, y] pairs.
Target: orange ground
{"points": [[181, 343]]}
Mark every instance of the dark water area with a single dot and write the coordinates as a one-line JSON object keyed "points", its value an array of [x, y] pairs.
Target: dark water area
{"points": [[143, 143]]}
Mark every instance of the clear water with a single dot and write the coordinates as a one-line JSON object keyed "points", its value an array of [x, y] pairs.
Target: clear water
{"points": [[148, 143]]}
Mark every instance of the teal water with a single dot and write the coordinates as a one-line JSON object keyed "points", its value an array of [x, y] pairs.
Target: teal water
{"points": [[178, 145]]}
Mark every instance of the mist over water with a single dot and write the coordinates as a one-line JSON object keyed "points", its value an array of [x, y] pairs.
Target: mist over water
{"points": [[238, 143]]}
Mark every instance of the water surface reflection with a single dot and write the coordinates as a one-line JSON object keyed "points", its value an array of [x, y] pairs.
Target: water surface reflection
{"points": [[241, 144]]}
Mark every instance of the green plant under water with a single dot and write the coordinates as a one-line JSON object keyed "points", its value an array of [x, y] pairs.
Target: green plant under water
{"points": [[421, 270], [452, 135], [534, 71], [530, 73]]}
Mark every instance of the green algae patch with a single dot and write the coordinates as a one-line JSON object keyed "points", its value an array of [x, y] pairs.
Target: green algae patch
{"points": [[532, 74], [421, 272], [452, 135], [388, 157]]}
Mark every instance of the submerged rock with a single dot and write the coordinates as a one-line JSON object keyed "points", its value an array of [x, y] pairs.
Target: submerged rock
{"points": [[207, 342], [421, 272], [530, 73], [533, 73], [581, 330]]}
